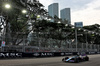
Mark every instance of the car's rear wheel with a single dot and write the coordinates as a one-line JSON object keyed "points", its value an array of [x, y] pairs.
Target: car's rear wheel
{"points": [[87, 59], [66, 58]]}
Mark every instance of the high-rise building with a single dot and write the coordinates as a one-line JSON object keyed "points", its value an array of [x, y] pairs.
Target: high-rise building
{"points": [[53, 10], [65, 15]]}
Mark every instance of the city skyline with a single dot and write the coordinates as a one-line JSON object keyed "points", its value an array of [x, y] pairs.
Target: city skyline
{"points": [[53, 9], [81, 10], [65, 15]]}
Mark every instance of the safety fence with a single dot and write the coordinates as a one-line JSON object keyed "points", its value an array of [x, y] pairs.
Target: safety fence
{"points": [[45, 49]]}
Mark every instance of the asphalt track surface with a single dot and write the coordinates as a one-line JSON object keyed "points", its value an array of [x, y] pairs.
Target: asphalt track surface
{"points": [[51, 61]]}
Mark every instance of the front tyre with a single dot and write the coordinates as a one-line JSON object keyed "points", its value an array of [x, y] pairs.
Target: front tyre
{"points": [[76, 60], [63, 59]]}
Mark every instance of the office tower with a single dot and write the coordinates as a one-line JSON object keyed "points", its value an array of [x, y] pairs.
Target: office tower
{"points": [[53, 10], [65, 15]]}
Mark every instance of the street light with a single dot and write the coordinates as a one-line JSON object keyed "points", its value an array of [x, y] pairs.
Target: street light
{"points": [[79, 29], [38, 16], [84, 30], [7, 6], [66, 24], [59, 22], [49, 19], [24, 11]]}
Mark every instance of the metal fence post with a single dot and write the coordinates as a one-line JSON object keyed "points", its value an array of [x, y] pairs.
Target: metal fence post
{"points": [[76, 37]]}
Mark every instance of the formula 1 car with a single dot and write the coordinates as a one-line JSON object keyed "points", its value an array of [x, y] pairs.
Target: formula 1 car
{"points": [[76, 59]]}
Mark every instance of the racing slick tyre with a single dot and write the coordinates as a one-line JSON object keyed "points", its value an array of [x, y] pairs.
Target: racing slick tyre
{"points": [[87, 59], [76, 60], [66, 58], [63, 59]]}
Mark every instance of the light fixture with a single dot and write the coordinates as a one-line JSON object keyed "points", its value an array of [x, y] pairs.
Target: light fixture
{"points": [[7, 6], [59, 22], [84, 30], [79, 29], [38, 16], [49, 19], [24, 11], [66, 24]]}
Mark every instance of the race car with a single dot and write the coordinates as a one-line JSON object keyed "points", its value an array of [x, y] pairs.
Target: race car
{"points": [[76, 59]]}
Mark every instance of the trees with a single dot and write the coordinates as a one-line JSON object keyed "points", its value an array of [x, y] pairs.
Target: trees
{"points": [[15, 22], [94, 34], [48, 30], [89, 34], [44, 29]]}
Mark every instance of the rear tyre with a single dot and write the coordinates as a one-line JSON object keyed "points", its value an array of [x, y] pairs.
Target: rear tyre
{"points": [[87, 59], [66, 58]]}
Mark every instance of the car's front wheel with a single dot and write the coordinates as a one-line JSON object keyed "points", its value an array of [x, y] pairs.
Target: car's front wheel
{"points": [[76, 60], [63, 59]]}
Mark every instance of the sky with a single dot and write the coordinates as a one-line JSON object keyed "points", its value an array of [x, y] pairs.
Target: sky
{"points": [[86, 11]]}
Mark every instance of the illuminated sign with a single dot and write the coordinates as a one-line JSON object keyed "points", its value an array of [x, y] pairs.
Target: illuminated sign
{"points": [[78, 24]]}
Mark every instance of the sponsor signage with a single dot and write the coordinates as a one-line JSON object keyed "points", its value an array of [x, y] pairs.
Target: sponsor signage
{"points": [[78, 24], [66, 53], [36, 54], [3, 43], [92, 52], [62, 54], [98, 52], [46, 54], [70, 53], [10, 54]]}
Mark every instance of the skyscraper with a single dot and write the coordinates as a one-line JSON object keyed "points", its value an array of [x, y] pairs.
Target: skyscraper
{"points": [[53, 10], [65, 15]]}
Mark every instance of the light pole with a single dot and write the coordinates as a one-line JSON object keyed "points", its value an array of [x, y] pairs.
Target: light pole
{"points": [[98, 47], [77, 25], [59, 31], [86, 41], [82, 47], [76, 37], [7, 6]]}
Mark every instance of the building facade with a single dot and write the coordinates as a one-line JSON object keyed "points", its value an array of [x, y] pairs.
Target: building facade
{"points": [[66, 15], [53, 10]]}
